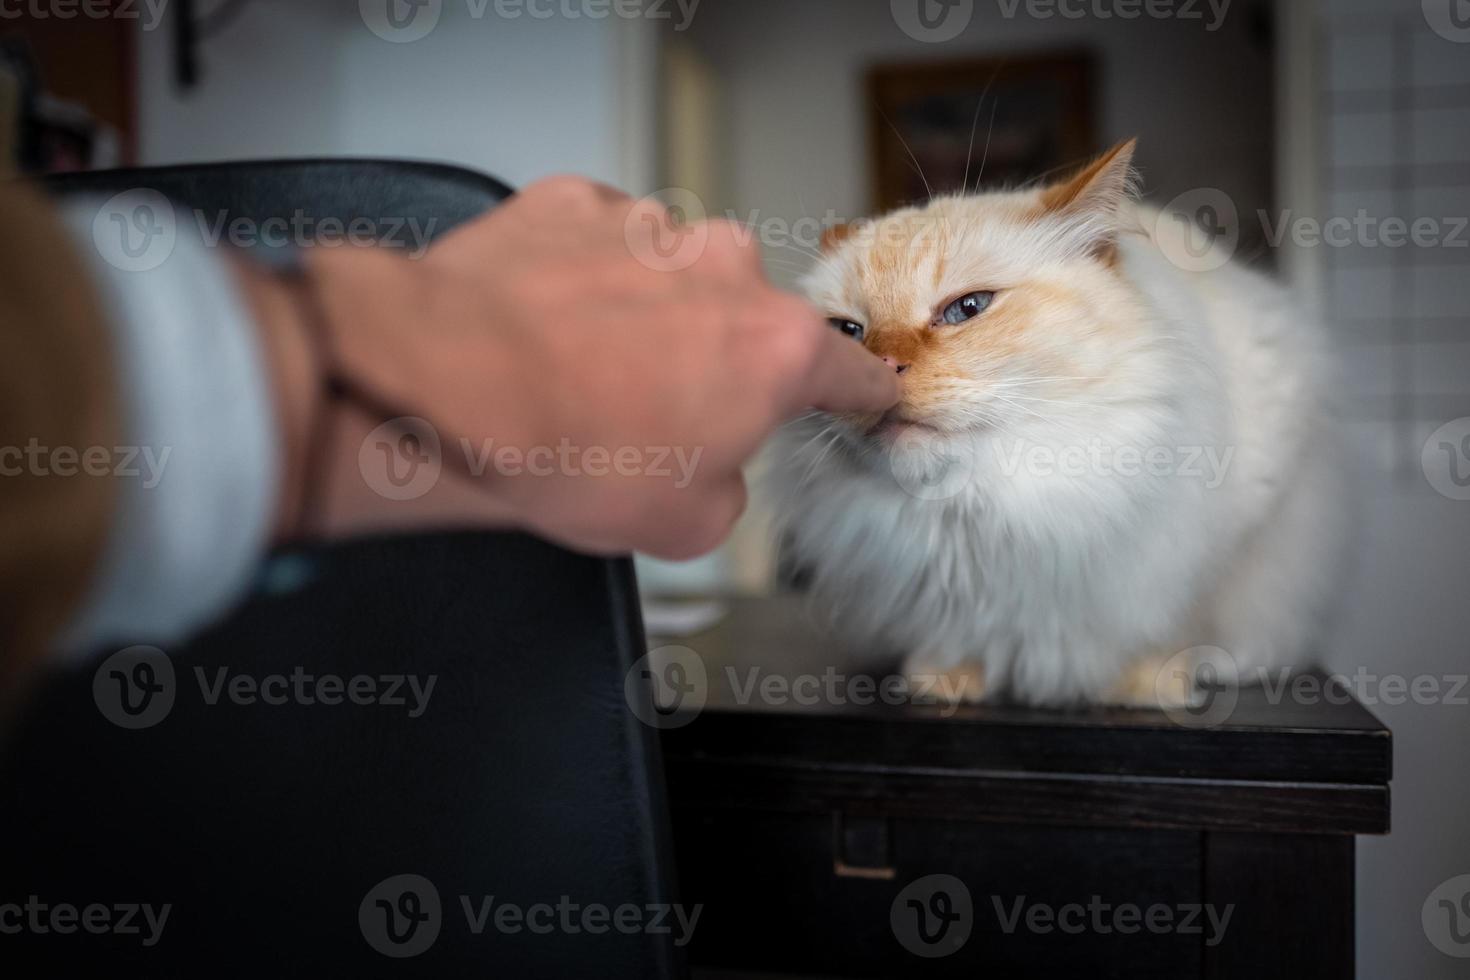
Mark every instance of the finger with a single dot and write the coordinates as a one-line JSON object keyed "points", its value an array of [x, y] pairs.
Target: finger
{"points": [[572, 188], [845, 377], [705, 526], [733, 247]]}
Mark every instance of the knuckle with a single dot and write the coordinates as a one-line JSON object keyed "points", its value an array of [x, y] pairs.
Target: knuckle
{"points": [[793, 336], [705, 536], [566, 189], [707, 523], [795, 312], [732, 242]]}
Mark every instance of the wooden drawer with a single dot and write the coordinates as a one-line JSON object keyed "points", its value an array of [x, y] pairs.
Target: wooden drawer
{"points": [[802, 827], [778, 893]]}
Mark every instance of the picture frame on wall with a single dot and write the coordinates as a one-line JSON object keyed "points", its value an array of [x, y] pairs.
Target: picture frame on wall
{"points": [[942, 128]]}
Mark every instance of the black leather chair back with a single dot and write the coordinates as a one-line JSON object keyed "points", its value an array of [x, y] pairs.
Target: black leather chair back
{"points": [[280, 834]]}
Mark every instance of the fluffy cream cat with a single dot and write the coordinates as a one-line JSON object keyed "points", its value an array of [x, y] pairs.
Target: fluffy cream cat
{"points": [[1100, 460]]}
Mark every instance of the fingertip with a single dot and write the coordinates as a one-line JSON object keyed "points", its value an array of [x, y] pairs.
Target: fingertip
{"points": [[891, 386], [883, 387]]}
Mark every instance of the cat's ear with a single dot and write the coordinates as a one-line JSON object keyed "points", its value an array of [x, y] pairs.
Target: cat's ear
{"points": [[833, 235], [1095, 195]]}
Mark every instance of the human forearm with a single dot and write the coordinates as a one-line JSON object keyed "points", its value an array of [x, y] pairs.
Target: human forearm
{"points": [[57, 398]]}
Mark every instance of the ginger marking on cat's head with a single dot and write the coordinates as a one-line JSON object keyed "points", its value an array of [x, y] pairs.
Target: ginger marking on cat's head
{"points": [[1055, 312]]}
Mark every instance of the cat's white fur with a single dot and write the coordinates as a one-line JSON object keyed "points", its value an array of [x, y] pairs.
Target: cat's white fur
{"points": [[963, 546]]}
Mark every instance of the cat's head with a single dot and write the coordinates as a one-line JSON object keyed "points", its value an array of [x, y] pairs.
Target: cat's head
{"points": [[1000, 310]]}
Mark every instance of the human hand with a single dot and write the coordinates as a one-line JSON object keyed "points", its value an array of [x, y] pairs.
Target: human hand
{"points": [[599, 398]]}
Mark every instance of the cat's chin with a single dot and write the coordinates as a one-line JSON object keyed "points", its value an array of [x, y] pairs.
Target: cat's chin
{"points": [[890, 431]]}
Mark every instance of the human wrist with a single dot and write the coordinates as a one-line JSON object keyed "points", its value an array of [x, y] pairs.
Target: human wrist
{"points": [[397, 358], [296, 385]]}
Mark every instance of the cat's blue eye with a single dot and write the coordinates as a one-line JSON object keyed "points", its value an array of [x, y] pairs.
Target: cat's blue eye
{"points": [[849, 327], [967, 307]]}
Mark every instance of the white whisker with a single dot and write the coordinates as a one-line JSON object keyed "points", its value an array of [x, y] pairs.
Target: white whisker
{"points": [[904, 143]]}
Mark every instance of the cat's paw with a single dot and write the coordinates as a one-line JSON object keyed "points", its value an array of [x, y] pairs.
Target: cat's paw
{"points": [[1147, 683], [928, 684]]}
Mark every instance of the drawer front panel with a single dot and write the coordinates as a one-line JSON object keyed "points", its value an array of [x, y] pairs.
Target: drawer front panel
{"points": [[840, 895]]}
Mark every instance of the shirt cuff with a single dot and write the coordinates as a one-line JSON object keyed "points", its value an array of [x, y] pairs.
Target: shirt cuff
{"points": [[194, 513]]}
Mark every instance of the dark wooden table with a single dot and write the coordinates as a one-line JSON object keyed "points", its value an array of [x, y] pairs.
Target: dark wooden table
{"points": [[827, 837]]}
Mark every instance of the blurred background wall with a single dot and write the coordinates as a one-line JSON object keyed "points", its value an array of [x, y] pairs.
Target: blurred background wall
{"points": [[1391, 102], [520, 98], [1300, 108], [794, 126]]}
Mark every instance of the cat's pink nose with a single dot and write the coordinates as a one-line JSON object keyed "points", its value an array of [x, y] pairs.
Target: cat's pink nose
{"points": [[892, 362]]}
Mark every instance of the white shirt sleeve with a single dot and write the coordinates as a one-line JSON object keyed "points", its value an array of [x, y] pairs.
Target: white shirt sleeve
{"points": [[194, 511]]}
